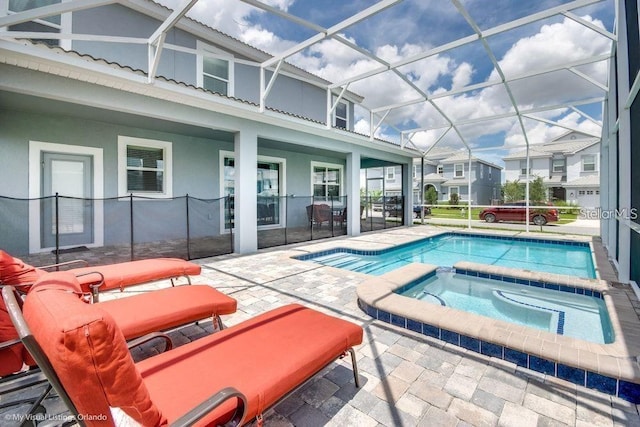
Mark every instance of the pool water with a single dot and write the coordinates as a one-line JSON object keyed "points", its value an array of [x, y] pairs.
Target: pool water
{"points": [[578, 316], [568, 258]]}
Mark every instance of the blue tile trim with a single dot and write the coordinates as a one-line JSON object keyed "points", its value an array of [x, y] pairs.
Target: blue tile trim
{"points": [[491, 349], [450, 337], [525, 282], [602, 383], [469, 343], [612, 386], [544, 366], [629, 391], [571, 374], [517, 357]]}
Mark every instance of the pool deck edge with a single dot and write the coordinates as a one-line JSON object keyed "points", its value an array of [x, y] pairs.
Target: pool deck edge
{"points": [[566, 357]]}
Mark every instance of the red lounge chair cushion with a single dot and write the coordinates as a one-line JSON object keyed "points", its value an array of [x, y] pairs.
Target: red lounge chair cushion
{"points": [[121, 275], [90, 356], [15, 272], [10, 357], [265, 358], [167, 308]]}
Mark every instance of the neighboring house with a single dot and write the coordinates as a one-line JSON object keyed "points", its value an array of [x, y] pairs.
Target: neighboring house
{"points": [[83, 116], [568, 165], [448, 172]]}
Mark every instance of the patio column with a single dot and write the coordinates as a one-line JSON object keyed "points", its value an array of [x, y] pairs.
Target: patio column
{"points": [[624, 141], [245, 210], [353, 193]]}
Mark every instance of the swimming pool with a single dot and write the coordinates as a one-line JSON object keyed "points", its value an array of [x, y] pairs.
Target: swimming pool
{"points": [[571, 314], [560, 257]]}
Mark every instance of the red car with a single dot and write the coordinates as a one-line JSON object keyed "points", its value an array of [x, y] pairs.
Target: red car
{"points": [[517, 211]]}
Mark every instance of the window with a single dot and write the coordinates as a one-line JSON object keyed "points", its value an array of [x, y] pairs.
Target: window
{"points": [[558, 165], [598, 192], [144, 167], [49, 24], [581, 193], [589, 192], [215, 69], [440, 170], [326, 181], [416, 171], [589, 163], [269, 187], [523, 167], [490, 168], [454, 190], [341, 115], [391, 174], [458, 170]]}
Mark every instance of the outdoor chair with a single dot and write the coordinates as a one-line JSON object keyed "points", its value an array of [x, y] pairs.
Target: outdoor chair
{"points": [[318, 214], [136, 315], [232, 376], [15, 272], [341, 217], [139, 317]]}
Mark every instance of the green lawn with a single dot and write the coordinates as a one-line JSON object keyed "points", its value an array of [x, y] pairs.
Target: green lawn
{"points": [[442, 212]]}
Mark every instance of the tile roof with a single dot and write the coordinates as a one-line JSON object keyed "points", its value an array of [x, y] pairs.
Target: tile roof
{"points": [[116, 65]]}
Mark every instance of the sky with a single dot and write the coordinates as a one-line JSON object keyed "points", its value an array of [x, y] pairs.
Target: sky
{"points": [[411, 27]]}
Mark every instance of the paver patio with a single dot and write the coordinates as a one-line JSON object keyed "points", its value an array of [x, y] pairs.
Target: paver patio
{"points": [[407, 379]]}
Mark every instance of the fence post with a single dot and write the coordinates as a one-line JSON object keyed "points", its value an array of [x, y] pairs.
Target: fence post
{"points": [[332, 234], [229, 216], [286, 216], [57, 232], [131, 222], [311, 223], [188, 231]]}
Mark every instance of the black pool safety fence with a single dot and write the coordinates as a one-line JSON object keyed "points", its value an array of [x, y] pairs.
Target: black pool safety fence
{"points": [[58, 228]]}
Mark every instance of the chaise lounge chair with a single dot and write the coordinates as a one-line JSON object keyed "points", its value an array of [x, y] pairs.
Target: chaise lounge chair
{"points": [[15, 272], [135, 315], [231, 376]]}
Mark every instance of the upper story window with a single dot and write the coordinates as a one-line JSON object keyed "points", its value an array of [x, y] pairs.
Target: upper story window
{"points": [[458, 170], [215, 69], [523, 167], [326, 181], [144, 167], [416, 171], [49, 24], [589, 163], [341, 115], [559, 165], [440, 170], [391, 174]]}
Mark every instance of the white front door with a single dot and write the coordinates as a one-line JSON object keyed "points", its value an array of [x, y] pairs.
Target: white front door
{"points": [[76, 174], [68, 217]]}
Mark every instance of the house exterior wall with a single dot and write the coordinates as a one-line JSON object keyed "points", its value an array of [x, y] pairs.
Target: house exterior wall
{"points": [[574, 163], [195, 172], [539, 167], [288, 94]]}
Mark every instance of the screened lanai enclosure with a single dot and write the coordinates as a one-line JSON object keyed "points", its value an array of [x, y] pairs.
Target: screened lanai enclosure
{"points": [[476, 99]]}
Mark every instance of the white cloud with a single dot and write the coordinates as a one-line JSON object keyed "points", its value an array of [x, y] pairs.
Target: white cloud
{"points": [[462, 76]]}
